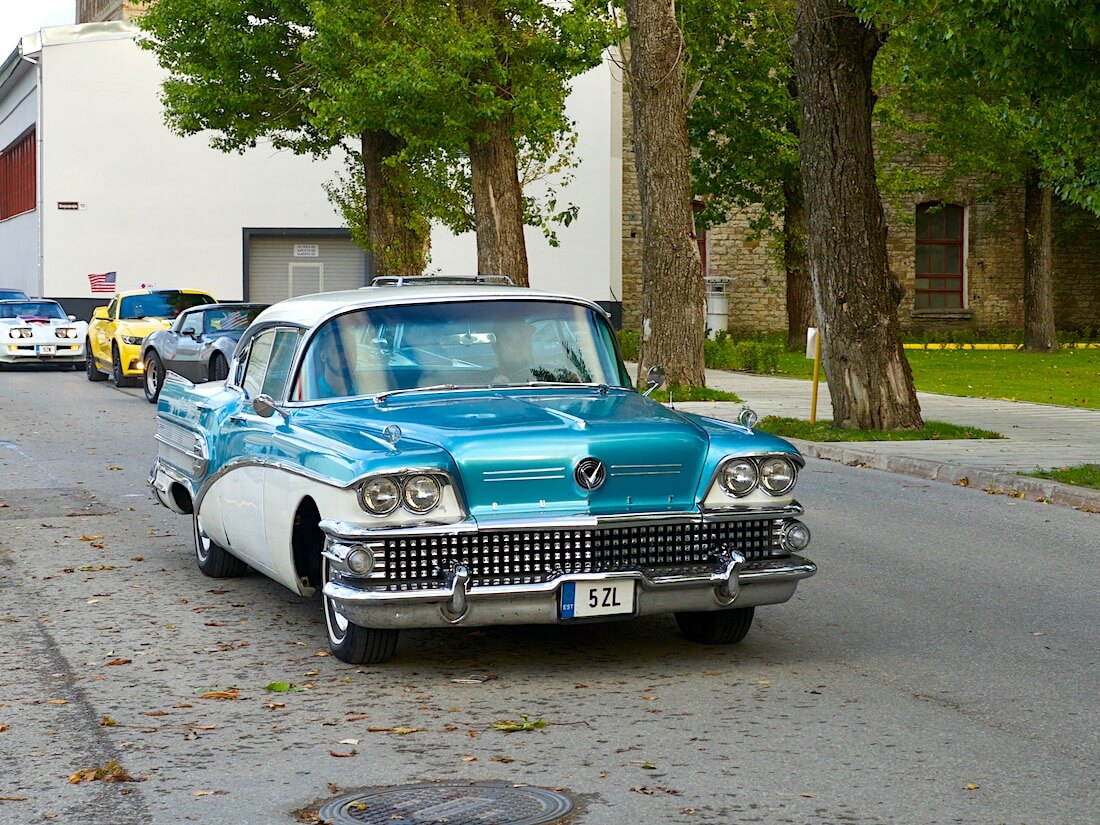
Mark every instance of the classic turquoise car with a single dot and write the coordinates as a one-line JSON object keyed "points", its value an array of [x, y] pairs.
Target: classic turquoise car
{"points": [[437, 455]]}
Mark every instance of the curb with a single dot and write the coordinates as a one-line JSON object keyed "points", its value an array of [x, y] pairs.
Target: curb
{"points": [[993, 482]]}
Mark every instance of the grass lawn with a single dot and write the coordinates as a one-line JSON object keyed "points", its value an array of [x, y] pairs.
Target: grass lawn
{"points": [[1069, 378], [824, 431], [1085, 475]]}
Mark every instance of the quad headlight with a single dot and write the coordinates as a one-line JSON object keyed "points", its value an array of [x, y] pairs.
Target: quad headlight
{"points": [[739, 477], [380, 495], [774, 475], [418, 493], [65, 332], [777, 475], [20, 332], [421, 493]]}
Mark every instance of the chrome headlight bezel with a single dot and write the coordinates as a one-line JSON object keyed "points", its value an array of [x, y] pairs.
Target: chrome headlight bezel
{"points": [[767, 474], [380, 495], [739, 476], [421, 493]]}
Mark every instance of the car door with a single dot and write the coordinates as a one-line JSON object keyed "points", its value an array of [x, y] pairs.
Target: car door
{"points": [[247, 439], [186, 345], [104, 333]]}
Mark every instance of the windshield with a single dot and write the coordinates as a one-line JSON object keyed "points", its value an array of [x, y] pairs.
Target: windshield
{"points": [[467, 344], [160, 304], [32, 309]]}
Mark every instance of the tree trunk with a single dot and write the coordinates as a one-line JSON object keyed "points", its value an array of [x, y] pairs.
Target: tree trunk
{"points": [[800, 298], [1039, 330], [397, 236], [498, 203], [857, 297], [673, 308]]}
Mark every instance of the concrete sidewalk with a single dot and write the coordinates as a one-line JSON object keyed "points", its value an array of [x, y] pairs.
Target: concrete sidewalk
{"points": [[1036, 436]]}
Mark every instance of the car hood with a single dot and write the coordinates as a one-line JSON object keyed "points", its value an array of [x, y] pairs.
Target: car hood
{"points": [[515, 452], [142, 326]]}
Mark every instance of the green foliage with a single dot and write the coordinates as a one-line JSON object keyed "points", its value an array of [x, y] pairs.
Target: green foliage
{"points": [[743, 120], [313, 75], [696, 394], [629, 344], [723, 353]]}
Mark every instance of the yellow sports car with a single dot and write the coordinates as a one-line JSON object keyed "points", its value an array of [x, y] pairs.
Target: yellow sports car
{"points": [[116, 331]]}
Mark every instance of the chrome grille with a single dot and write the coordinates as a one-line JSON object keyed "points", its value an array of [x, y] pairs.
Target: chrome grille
{"points": [[181, 448], [531, 556]]}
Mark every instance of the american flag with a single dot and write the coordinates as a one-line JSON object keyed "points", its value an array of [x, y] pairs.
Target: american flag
{"points": [[102, 281], [235, 320]]}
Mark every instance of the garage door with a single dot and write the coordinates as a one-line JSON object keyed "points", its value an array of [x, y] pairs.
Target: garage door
{"points": [[285, 266]]}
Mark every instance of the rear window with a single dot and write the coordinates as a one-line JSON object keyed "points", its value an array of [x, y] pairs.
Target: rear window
{"points": [[160, 304]]}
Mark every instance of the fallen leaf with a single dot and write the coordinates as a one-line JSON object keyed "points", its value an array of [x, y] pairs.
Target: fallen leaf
{"points": [[57, 701], [348, 742], [96, 568], [105, 722], [209, 793], [339, 755], [274, 705], [90, 538], [115, 662], [156, 713], [12, 798], [972, 787], [509, 726], [221, 695], [504, 760], [111, 772]]}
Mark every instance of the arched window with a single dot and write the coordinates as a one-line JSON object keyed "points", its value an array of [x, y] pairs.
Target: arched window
{"points": [[939, 282]]}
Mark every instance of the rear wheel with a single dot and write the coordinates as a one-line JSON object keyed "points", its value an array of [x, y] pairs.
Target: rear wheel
{"points": [[219, 368], [353, 643], [117, 375], [716, 627], [90, 368], [214, 561], [154, 376]]}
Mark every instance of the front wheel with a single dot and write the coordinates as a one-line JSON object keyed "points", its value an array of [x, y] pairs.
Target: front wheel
{"points": [[219, 368], [117, 375], [154, 377], [214, 561], [716, 627], [353, 643], [90, 369]]}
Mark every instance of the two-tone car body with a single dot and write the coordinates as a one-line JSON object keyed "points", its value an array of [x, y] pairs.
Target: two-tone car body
{"points": [[198, 346], [116, 332], [35, 331], [432, 456]]}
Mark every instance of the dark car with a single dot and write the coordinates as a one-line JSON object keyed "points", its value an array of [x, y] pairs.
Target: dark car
{"points": [[12, 294], [198, 346]]}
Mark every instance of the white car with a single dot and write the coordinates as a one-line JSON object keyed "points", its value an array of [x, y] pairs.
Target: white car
{"points": [[39, 332]]}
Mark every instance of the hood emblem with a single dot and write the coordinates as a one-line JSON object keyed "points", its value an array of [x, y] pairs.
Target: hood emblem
{"points": [[590, 473]]}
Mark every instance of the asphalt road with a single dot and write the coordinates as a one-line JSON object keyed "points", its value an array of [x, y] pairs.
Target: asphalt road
{"points": [[942, 667]]}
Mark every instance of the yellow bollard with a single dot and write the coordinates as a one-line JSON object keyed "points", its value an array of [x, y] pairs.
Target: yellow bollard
{"points": [[817, 375]]}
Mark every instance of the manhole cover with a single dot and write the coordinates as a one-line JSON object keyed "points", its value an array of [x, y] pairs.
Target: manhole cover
{"points": [[453, 804]]}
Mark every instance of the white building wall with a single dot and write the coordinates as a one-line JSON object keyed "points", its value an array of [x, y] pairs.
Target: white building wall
{"points": [[19, 234], [152, 206], [588, 261]]}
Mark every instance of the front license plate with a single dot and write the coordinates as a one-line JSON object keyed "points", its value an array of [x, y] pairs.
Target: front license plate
{"points": [[597, 598], [47, 349]]}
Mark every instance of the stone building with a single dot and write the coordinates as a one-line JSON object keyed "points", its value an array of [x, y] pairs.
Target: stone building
{"points": [[961, 263], [100, 11]]}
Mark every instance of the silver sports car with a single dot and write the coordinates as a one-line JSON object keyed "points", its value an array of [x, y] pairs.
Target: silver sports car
{"points": [[198, 346]]}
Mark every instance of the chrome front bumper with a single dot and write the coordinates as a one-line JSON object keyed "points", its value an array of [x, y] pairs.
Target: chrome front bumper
{"points": [[731, 582]]}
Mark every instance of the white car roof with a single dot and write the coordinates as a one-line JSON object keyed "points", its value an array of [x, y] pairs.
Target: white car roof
{"points": [[309, 310]]}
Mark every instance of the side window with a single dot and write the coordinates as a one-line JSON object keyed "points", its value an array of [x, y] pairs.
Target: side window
{"points": [[269, 360], [259, 354], [112, 309], [191, 324]]}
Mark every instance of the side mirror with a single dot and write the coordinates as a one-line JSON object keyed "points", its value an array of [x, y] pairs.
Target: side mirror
{"points": [[265, 407], [654, 379], [189, 332], [99, 314], [72, 317]]}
